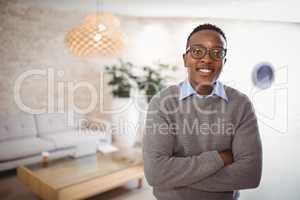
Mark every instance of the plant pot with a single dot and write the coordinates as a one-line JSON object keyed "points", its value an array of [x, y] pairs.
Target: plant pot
{"points": [[125, 122]]}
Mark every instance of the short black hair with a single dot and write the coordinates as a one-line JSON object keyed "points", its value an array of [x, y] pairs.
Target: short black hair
{"points": [[202, 27]]}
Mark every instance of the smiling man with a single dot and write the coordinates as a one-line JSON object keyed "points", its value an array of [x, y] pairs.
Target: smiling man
{"points": [[204, 58], [202, 140]]}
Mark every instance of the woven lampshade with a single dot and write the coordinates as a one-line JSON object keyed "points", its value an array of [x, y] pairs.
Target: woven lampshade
{"points": [[99, 35]]}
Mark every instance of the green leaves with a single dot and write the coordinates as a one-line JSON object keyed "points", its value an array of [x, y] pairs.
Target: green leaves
{"points": [[150, 81], [120, 78]]}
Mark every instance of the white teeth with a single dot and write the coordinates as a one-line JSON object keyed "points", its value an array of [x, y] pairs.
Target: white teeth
{"points": [[204, 70]]}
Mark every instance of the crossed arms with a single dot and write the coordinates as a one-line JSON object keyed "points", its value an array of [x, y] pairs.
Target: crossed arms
{"points": [[235, 169]]}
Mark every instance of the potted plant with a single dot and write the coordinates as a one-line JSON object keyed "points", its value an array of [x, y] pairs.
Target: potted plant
{"points": [[150, 81], [127, 116], [124, 112], [154, 79], [120, 78]]}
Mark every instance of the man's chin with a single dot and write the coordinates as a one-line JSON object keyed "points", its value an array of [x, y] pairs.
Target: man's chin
{"points": [[204, 86], [202, 83]]}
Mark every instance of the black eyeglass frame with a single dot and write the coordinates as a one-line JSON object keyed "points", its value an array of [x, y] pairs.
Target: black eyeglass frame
{"points": [[206, 50]]}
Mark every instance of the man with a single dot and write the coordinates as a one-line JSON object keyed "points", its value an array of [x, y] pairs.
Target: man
{"points": [[202, 140]]}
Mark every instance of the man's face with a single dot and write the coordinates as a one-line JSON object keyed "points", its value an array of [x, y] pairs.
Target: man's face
{"points": [[203, 72]]}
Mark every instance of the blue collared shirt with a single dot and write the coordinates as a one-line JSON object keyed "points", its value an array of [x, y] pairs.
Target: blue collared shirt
{"points": [[187, 90]]}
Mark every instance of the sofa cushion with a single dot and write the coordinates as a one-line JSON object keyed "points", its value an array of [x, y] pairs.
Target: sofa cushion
{"points": [[71, 138], [22, 148], [51, 123], [18, 126]]}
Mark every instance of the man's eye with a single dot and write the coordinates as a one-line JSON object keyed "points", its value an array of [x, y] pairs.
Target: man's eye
{"points": [[217, 53], [197, 51]]}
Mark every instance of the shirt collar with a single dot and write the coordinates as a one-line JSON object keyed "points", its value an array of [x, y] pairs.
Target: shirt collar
{"points": [[187, 90]]}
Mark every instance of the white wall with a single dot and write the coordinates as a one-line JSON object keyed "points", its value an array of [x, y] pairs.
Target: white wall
{"points": [[270, 10]]}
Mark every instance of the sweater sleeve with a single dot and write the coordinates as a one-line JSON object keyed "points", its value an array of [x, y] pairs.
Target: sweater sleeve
{"points": [[245, 171], [164, 170]]}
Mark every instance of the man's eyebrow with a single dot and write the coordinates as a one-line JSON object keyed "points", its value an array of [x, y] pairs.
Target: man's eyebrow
{"points": [[216, 46], [219, 47]]}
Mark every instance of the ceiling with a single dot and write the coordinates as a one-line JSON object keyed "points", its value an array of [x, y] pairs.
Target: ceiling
{"points": [[269, 10]]}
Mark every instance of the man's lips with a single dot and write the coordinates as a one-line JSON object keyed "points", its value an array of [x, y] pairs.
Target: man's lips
{"points": [[204, 70]]}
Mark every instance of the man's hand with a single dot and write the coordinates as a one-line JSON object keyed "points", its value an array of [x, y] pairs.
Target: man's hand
{"points": [[227, 157]]}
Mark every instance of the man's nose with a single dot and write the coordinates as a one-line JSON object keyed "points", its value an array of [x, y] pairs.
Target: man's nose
{"points": [[206, 58]]}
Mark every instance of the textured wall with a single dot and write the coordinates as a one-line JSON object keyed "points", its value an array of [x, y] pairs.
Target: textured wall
{"points": [[33, 38]]}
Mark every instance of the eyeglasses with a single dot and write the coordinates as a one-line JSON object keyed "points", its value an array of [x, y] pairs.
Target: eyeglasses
{"points": [[199, 51]]}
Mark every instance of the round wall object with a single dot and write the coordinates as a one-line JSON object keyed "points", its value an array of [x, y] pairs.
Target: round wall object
{"points": [[263, 75]]}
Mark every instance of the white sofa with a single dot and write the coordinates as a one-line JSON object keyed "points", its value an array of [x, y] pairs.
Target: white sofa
{"points": [[24, 137]]}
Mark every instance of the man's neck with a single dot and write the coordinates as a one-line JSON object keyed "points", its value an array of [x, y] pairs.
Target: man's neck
{"points": [[203, 90]]}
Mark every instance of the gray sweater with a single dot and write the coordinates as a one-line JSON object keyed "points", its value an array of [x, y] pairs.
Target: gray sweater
{"points": [[182, 139]]}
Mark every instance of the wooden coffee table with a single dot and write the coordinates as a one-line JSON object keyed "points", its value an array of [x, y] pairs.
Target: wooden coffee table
{"points": [[70, 178]]}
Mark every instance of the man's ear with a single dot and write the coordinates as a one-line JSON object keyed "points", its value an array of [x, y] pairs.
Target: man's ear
{"points": [[184, 57]]}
